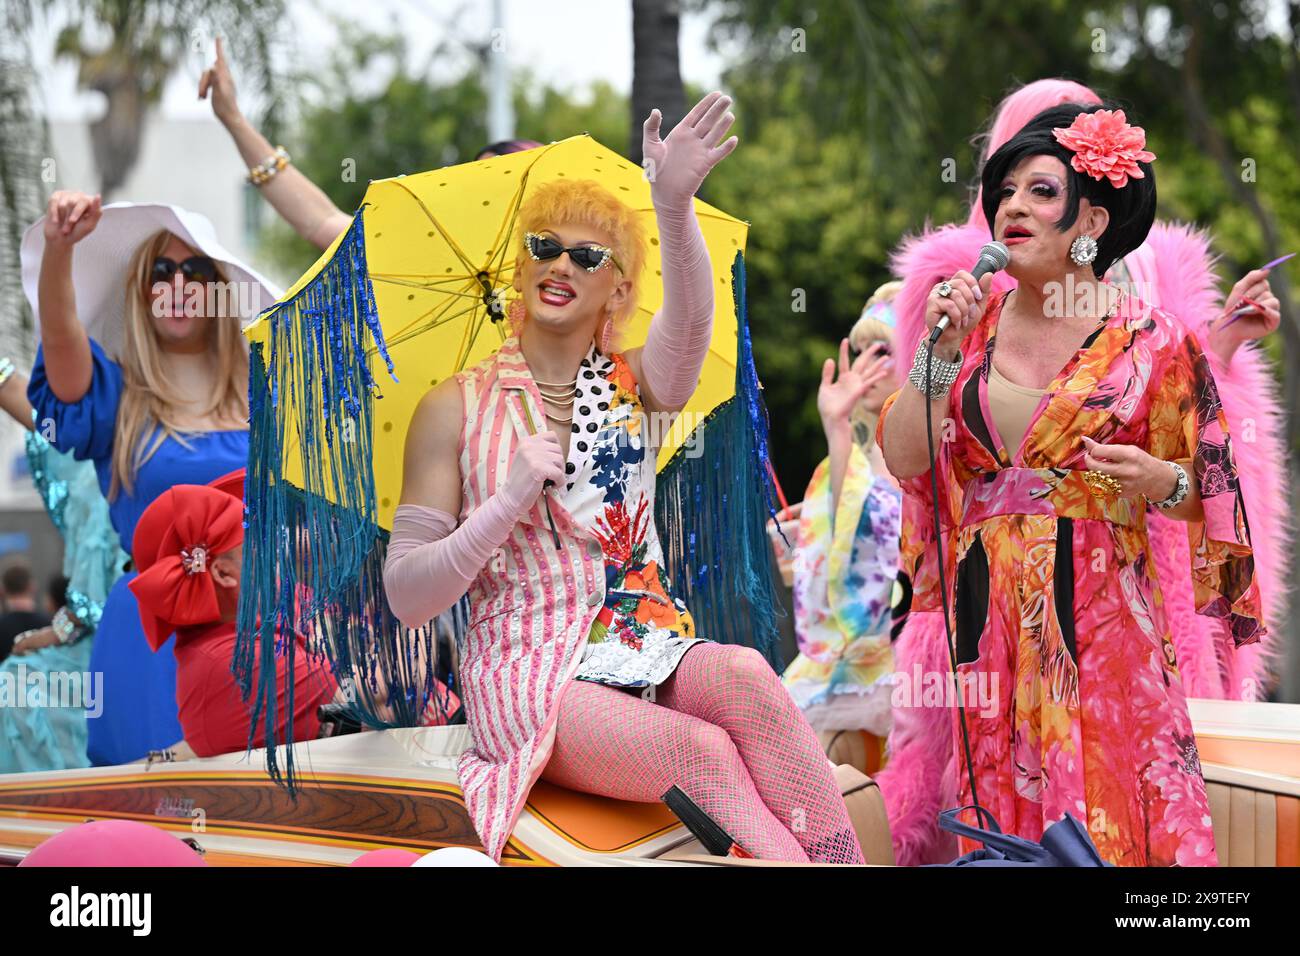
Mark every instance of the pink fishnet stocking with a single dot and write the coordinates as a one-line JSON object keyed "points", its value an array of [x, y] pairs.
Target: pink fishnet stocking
{"points": [[726, 732], [734, 688], [612, 743]]}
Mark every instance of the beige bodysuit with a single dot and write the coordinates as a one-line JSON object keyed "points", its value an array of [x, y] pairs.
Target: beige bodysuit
{"points": [[1012, 407]]}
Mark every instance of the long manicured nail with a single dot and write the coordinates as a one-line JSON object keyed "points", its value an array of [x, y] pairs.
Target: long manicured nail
{"points": [[979, 293], [972, 311]]}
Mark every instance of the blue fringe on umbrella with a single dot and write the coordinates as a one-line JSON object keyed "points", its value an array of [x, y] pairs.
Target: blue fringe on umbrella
{"points": [[313, 556], [712, 503]]}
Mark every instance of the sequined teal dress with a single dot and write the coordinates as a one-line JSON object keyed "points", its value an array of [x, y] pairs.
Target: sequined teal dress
{"points": [[37, 731]]}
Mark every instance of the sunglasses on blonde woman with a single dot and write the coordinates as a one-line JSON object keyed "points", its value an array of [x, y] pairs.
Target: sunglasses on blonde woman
{"points": [[195, 269]]}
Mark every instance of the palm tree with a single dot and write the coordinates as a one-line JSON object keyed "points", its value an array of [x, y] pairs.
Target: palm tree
{"points": [[656, 74], [146, 41], [24, 143]]}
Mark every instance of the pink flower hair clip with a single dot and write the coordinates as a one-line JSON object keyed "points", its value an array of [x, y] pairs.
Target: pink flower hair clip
{"points": [[1105, 146]]}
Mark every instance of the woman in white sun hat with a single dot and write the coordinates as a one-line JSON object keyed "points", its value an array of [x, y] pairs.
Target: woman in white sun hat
{"points": [[142, 370]]}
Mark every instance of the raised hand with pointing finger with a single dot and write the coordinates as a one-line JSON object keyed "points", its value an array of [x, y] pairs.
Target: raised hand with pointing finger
{"points": [[299, 201]]}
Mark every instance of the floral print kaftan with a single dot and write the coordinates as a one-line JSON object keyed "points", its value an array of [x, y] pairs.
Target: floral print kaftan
{"points": [[1072, 692]]}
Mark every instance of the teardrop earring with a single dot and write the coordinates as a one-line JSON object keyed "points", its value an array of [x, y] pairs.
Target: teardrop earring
{"points": [[1083, 250], [515, 315], [607, 336]]}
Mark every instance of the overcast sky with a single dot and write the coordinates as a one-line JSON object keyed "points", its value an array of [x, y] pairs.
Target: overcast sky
{"points": [[567, 43]]}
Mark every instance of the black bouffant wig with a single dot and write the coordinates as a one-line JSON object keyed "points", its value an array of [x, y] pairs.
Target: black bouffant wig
{"points": [[1132, 208]]}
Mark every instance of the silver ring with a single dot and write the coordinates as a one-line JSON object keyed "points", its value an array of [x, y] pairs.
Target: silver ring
{"points": [[944, 288]]}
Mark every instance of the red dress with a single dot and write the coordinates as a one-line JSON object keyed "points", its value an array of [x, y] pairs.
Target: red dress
{"points": [[214, 717]]}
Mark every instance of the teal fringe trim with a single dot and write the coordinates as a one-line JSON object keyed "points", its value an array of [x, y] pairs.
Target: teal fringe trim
{"points": [[712, 510], [312, 565]]}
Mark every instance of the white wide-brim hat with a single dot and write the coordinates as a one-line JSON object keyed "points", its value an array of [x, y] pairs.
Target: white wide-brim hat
{"points": [[100, 262]]}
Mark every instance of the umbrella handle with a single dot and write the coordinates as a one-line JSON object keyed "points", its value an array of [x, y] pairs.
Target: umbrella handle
{"points": [[548, 483], [550, 518], [491, 300]]}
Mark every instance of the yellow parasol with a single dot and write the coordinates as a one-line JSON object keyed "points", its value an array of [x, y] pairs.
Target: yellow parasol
{"points": [[437, 243]]}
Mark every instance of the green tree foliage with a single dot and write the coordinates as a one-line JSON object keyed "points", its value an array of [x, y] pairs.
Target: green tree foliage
{"points": [[24, 144], [402, 121]]}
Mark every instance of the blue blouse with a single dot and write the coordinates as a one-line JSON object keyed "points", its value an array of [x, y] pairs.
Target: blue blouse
{"points": [[88, 427]]}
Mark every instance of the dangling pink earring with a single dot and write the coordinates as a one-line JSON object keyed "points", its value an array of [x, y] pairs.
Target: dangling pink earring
{"points": [[607, 336], [515, 315]]}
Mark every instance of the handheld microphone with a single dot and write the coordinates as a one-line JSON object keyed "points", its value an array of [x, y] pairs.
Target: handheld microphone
{"points": [[994, 257]]}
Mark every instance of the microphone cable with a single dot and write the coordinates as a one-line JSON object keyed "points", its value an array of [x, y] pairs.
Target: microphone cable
{"points": [[943, 584]]}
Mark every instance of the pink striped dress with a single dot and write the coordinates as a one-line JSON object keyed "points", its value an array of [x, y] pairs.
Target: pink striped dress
{"points": [[598, 607]]}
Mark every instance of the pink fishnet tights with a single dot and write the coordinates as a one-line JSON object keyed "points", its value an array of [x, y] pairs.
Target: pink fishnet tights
{"points": [[724, 730]]}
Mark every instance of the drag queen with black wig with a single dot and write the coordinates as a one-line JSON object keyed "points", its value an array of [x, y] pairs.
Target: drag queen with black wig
{"points": [[1173, 269], [1077, 413]]}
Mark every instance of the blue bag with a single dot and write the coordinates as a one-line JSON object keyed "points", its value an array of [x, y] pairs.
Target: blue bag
{"points": [[1064, 843]]}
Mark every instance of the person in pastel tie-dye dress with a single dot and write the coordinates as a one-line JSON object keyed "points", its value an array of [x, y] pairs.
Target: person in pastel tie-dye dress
{"points": [[846, 553]]}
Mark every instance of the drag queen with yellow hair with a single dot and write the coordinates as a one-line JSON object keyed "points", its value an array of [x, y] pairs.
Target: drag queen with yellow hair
{"points": [[529, 485]]}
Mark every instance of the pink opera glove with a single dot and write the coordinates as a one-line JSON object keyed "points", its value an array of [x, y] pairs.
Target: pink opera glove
{"points": [[679, 336], [416, 592], [429, 566]]}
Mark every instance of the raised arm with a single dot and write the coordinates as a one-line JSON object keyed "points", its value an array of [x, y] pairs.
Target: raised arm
{"points": [[836, 399], [298, 200], [69, 218], [678, 341], [13, 396], [904, 446], [431, 562]]}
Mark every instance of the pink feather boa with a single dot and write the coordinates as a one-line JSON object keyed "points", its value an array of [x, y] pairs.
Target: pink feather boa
{"points": [[919, 779]]}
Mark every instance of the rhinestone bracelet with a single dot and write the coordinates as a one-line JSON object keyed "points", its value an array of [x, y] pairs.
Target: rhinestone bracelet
{"points": [[1181, 489], [66, 627], [262, 173], [942, 373]]}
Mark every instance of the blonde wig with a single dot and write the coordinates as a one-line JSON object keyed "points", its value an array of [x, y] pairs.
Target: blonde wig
{"points": [[868, 329], [147, 412], [584, 202]]}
